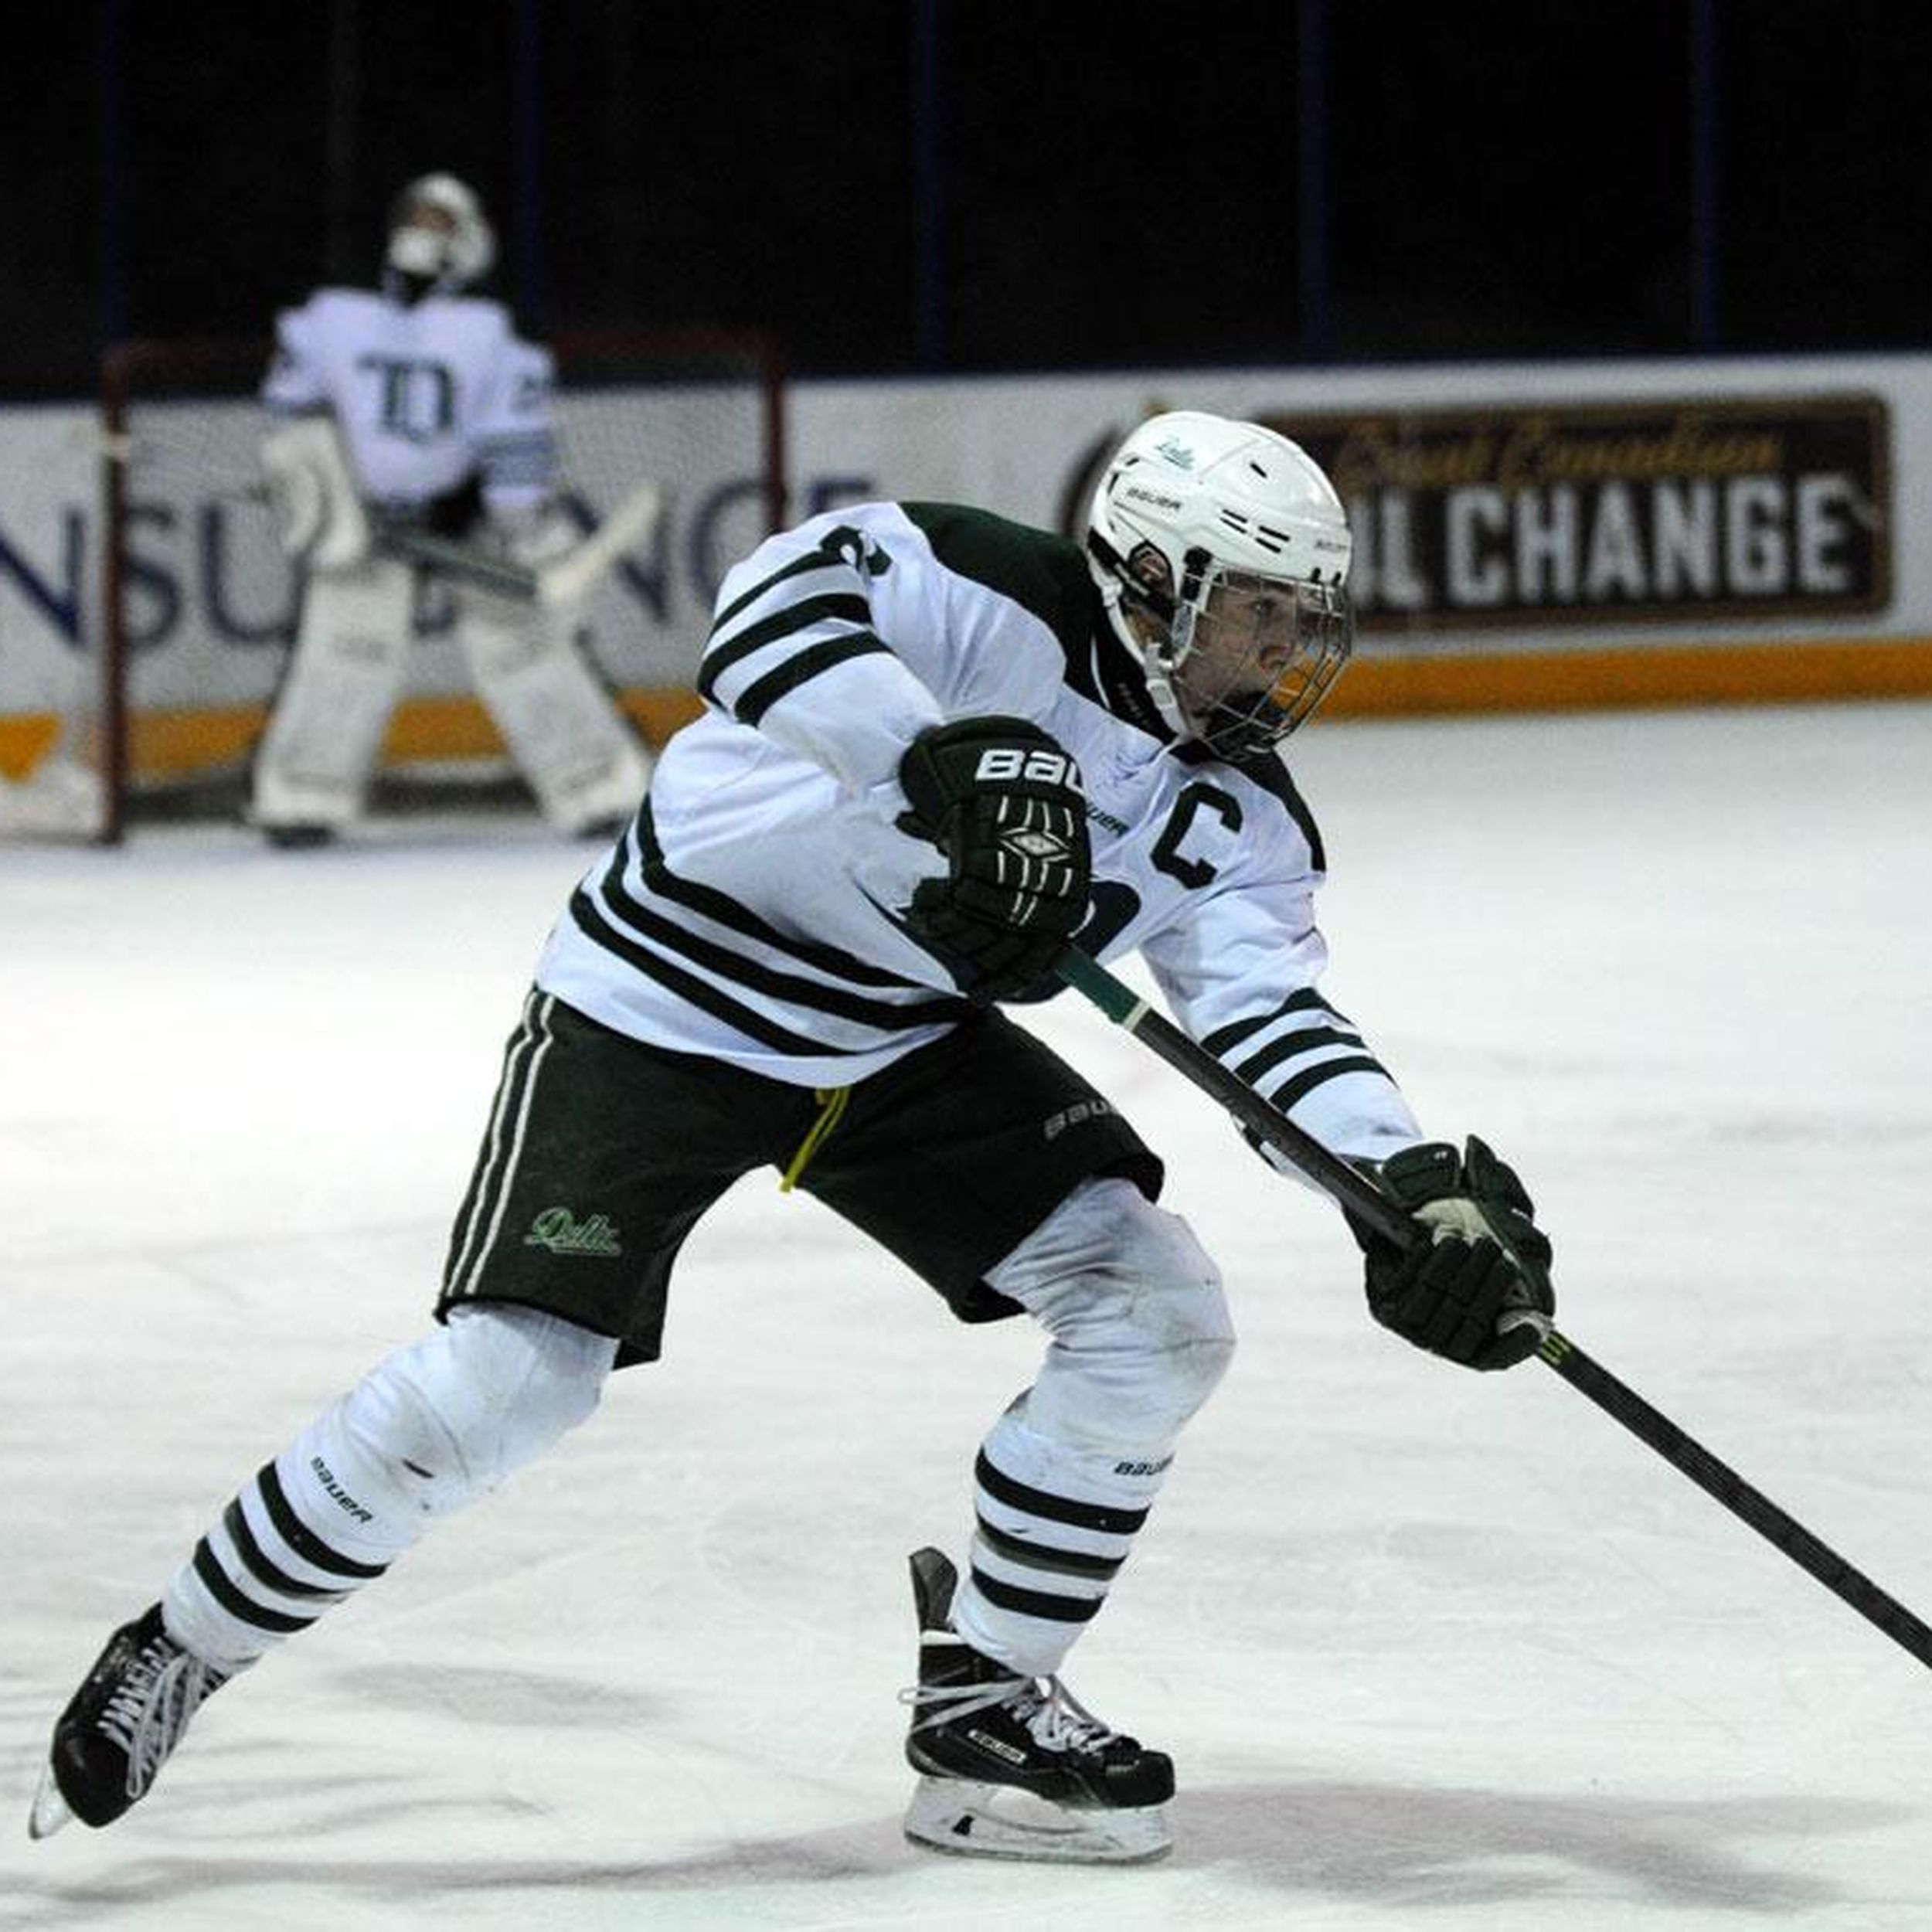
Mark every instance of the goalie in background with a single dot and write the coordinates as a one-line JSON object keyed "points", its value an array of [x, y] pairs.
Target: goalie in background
{"points": [[418, 411]]}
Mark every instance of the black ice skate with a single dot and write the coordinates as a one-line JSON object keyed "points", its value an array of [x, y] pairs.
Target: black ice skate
{"points": [[124, 1721], [1012, 1766]]}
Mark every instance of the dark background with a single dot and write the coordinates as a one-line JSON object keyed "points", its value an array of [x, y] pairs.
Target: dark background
{"points": [[917, 186]]}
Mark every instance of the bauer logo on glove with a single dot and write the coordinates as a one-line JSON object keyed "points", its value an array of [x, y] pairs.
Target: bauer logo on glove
{"points": [[1012, 764], [1003, 802]]}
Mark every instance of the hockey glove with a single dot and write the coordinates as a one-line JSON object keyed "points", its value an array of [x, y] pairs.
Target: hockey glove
{"points": [[1486, 1259], [1001, 799]]}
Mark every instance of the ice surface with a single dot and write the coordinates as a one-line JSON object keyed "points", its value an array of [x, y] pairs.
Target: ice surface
{"points": [[1431, 1650]]}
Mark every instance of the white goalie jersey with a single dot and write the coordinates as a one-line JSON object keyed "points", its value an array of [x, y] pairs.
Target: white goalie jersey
{"points": [[425, 394], [752, 910]]}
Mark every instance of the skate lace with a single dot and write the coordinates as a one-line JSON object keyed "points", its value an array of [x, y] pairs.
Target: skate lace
{"points": [[1057, 1720], [151, 1707]]}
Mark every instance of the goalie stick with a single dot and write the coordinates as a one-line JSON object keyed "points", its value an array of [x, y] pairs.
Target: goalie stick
{"points": [[322, 519], [565, 580], [1349, 1187]]}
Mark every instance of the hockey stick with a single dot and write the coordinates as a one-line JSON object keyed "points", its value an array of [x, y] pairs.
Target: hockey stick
{"points": [[562, 580], [1351, 1188], [565, 580]]}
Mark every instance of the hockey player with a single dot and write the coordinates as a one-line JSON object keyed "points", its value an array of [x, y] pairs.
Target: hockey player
{"points": [[420, 407], [937, 747]]}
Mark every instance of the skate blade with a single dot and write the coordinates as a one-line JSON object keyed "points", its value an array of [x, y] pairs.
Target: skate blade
{"points": [[969, 1820], [50, 1810]]}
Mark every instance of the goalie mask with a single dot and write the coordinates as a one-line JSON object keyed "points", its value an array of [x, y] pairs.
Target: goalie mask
{"points": [[1221, 551], [439, 241]]}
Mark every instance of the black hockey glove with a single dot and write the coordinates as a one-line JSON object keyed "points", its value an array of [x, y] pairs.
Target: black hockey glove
{"points": [[1001, 799], [1486, 1258]]}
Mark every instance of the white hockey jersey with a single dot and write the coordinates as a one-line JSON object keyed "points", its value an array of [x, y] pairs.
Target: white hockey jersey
{"points": [[425, 394], [752, 910]]}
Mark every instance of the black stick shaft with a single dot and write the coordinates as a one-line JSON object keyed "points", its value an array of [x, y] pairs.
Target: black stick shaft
{"points": [[1749, 1504], [1350, 1187], [1347, 1185]]}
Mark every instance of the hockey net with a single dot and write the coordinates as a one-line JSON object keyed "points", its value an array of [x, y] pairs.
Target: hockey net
{"points": [[153, 704]]}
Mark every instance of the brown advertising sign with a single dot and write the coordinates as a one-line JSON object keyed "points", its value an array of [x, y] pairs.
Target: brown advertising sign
{"points": [[1715, 508]]}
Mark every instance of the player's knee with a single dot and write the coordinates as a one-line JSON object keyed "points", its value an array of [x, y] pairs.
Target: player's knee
{"points": [[524, 1380], [1141, 1327], [453, 1416], [1182, 1311]]}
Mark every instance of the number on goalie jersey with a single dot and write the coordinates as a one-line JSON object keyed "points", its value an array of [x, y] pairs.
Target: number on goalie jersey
{"points": [[443, 419], [933, 743]]}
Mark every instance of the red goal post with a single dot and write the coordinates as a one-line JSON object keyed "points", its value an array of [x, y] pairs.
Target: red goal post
{"points": [[197, 600]]}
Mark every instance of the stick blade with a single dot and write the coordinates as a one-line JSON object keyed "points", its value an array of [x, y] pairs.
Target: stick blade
{"points": [[571, 577]]}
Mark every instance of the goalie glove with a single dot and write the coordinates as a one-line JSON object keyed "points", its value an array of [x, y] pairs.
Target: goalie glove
{"points": [[1001, 799], [320, 520], [1486, 1259]]}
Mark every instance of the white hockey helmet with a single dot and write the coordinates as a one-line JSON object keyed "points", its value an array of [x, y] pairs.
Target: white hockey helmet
{"points": [[439, 237], [1221, 550]]}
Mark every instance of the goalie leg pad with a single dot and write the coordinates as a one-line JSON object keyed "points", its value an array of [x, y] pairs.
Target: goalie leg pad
{"points": [[326, 725], [318, 516], [579, 754]]}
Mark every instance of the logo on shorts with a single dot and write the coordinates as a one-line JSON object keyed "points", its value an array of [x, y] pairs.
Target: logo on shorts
{"points": [[1057, 1123], [559, 1230]]}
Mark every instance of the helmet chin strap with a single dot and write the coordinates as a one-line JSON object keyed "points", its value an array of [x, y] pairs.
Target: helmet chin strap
{"points": [[1152, 647], [1130, 605], [1160, 688], [1164, 654]]}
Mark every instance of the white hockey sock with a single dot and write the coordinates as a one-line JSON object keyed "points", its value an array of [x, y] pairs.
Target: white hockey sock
{"points": [[1053, 1525], [427, 1429], [1066, 1476]]}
